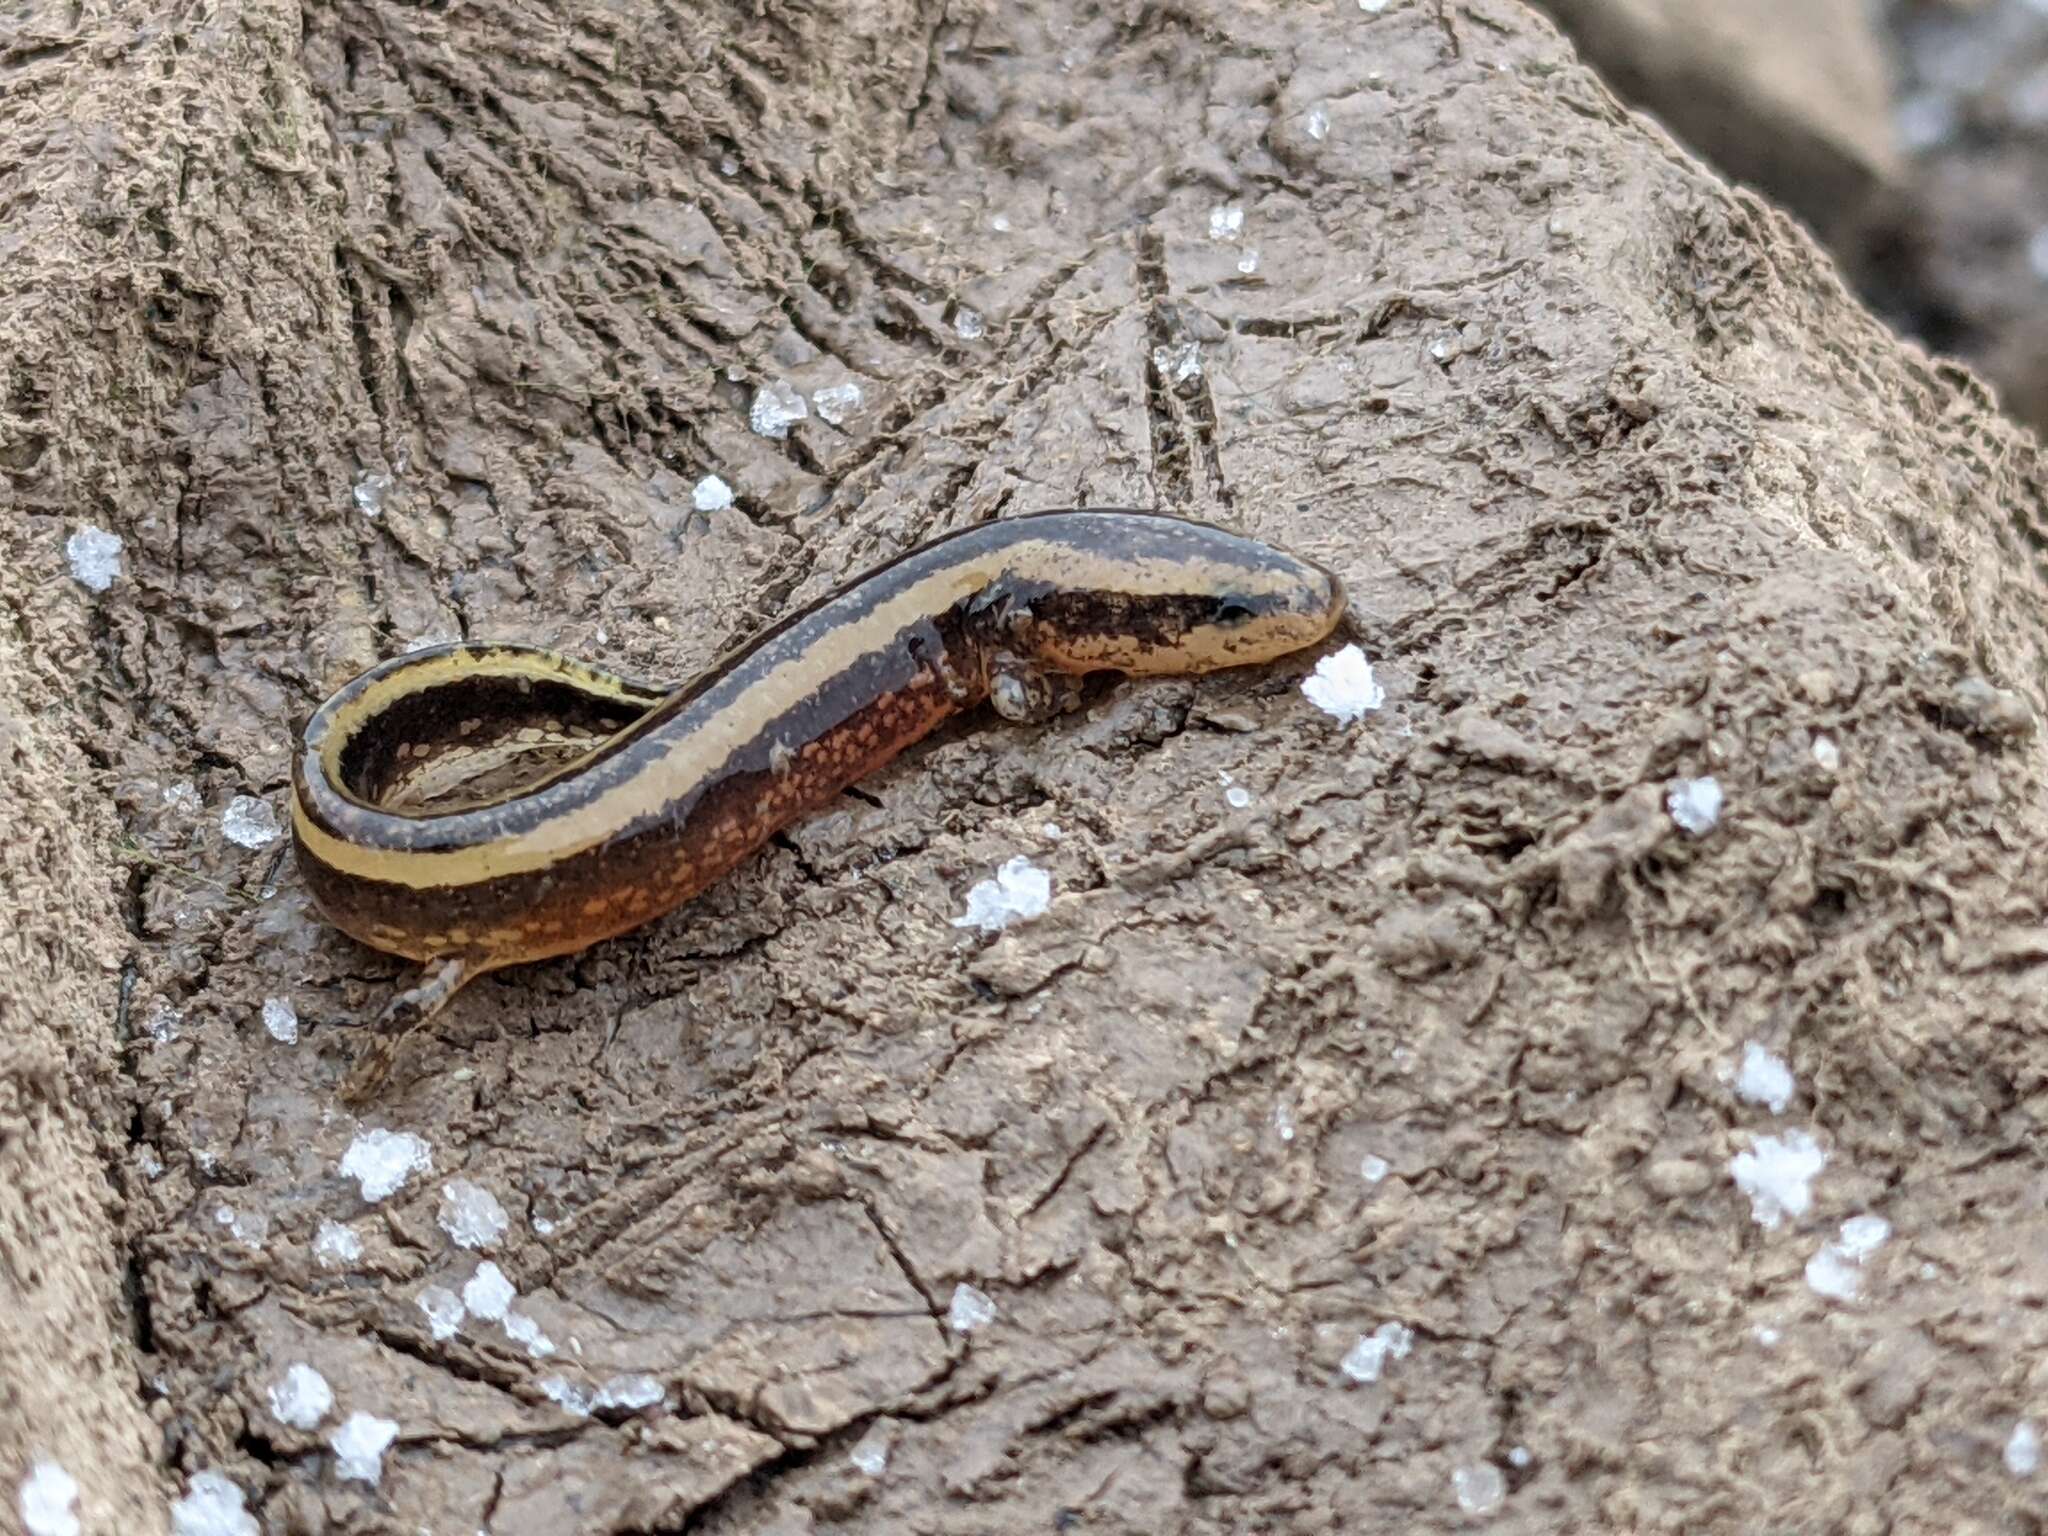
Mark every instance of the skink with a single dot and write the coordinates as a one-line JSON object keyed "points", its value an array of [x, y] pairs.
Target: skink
{"points": [[679, 785]]}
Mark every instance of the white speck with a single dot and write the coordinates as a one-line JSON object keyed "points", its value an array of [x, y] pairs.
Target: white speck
{"points": [[335, 1244], [281, 1020], [971, 1309], [777, 407], [1837, 1270], [728, 167], [359, 1447], [565, 1393], [183, 797], [2037, 254], [1767, 1336], [212, 1506], [1248, 263], [1925, 120], [633, 1391], [443, 1309], [1764, 1079], [2023, 1450], [1520, 1457], [380, 1161], [711, 494], [48, 1497], [1000, 223], [969, 324], [163, 1022], [1373, 1169], [250, 1229], [1237, 797], [1318, 124], [302, 1398], [871, 1456], [249, 822], [471, 1215], [151, 1165], [1283, 1122], [1178, 363], [1480, 1488], [1695, 804], [488, 1293], [836, 402], [1777, 1174], [1440, 349], [1372, 7], [1020, 890], [369, 493], [1343, 685], [95, 557], [1826, 753], [1052, 831], [543, 1226], [523, 1330], [1226, 222], [1369, 1356]]}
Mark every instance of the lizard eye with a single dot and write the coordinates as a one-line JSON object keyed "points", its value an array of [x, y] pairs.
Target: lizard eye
{"points": [[1230, 610]]}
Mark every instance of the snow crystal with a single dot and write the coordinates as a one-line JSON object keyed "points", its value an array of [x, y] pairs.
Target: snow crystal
{"points": [[1373, 1169], [370, 492], [359, 1447], [1837, 1270], [1763, 1079], [1480, 1488], [1767, 1336], [1226, 222], [1343, 685], [183, 797], [281, 1019], [969, 324], [971, 1309], [212, 1506], [1237, 797], [566, 1395], [521, 1329], [2023, 1450], [871, 1456], [488, 1293], [381, 1161], [1695, 804], [1372, 7], [1000, 223], [151, 1165], [1178, 363], [836, 402], [471, 1215], [95, 557], [1440, 349], [632, 1391], [1318, 123], [1777, 1174], [163, 1022], [711, 494], [1248, 263], [48, 1497], [335, 1244], [1520, 1457], [444, 1310], [1826, 753], [1369, 1356], [249, 822], [543, 1226], [250, 1227], [777, 407], [302, 1398], [1283, 1122], [1020, 890]]}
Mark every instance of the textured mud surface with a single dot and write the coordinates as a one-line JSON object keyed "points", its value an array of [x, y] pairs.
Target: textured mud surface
{"points": [[368, 324]]}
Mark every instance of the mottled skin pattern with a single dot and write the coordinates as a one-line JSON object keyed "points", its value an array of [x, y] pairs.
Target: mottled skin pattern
{"points": [[687, 783]]}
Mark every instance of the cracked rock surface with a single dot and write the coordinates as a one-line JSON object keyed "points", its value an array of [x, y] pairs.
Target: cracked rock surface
{"points": [[1350, 1153]]}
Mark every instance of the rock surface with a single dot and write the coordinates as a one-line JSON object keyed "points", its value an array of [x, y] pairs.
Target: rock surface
{"points": [[1355, 1157]]}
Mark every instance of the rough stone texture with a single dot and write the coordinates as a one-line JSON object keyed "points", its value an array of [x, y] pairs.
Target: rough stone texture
{"points": [[1626, 491], [1792, 96]]}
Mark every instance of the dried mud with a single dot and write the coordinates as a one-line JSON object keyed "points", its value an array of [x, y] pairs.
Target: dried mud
{"points": [[1625, 487]]}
